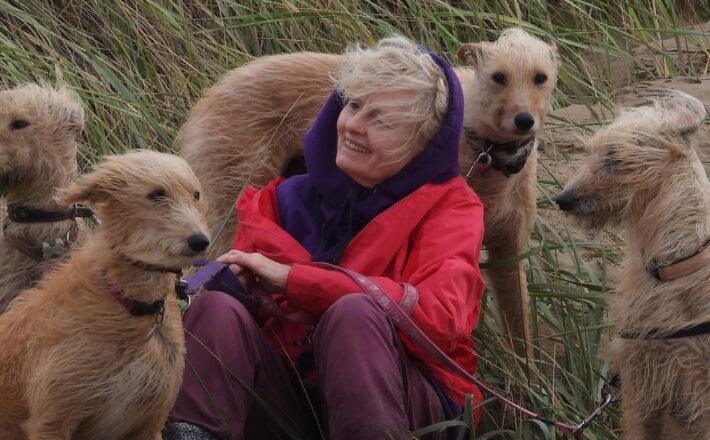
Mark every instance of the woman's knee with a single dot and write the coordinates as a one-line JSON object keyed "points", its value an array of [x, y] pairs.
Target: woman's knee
{"points": [[354, 315], [353, 307], [216, 311]]}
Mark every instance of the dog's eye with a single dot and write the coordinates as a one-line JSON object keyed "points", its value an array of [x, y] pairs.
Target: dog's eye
{"points": [[540, 78], [197, 195], [610, 164], [18, 124], [157, 196], [499, 78]]}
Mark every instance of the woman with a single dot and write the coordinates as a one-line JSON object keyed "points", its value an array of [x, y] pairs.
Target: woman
{"points": [[382, 197]]}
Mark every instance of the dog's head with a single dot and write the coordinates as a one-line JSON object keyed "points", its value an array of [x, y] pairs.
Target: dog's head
{"points": [[150, 205], [39, 126], [507, 103], [637, 158]]}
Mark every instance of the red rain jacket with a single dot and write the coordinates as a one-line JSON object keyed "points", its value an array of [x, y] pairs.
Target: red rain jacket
{"points": [[430, 239]]}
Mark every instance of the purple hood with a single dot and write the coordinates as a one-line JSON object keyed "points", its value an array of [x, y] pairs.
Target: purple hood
{"points": [[325, 208]]}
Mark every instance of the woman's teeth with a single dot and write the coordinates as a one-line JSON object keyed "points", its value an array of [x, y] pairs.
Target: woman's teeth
{"points": [[357, 148]]}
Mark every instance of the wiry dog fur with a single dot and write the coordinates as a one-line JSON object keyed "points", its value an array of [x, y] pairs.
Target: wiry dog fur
{"points": [[39, 127], [75, 364], [251, 124], [643, 171]]}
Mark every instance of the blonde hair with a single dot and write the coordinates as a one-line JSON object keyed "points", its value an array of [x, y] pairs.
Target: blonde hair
{"points": [[397, 64]]}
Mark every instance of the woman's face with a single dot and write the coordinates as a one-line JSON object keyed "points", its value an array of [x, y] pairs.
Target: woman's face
{"points": [[365, 138]]}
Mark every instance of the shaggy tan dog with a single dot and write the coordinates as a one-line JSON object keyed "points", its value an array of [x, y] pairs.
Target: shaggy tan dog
{"points": [[39, 126], [643, 171], [96, 350], [250, 126]]}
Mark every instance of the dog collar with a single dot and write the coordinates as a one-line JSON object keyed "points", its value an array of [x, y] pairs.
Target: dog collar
{"points": [[486, 155], [151, 267], [138, 308], [55, 248], [683, 267], [180, 284], [22, 214], [655, 333], [135, 308]]}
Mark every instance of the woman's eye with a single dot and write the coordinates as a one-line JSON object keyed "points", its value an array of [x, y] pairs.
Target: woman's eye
{"points": [[157, 196], [353, 105]]}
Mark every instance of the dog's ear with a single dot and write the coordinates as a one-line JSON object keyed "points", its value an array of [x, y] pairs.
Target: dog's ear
{"points": [[96, 187], [554, 53], [472, 53], [74, 111], [687, 113], [75, 121]]}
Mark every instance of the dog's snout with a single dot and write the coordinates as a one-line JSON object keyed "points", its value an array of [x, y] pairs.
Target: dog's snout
{"points": [[566, 200], [524, 121], [198, 242]]}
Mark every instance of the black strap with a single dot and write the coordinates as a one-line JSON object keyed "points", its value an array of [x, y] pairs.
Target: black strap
{"points": [[141, 309], [23, 214], [656, 333]]}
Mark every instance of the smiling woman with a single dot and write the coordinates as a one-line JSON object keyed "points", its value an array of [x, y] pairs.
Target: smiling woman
{"points": [[382, 197], [369, 144]]}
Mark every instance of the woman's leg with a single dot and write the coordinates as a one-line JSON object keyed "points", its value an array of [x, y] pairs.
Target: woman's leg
{"points": [[223, 341], [371, 388]]}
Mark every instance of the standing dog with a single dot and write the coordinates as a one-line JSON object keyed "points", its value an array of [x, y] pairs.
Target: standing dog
{"points": [[643, 171], [96, 351], [39, 127], [250, 126]]}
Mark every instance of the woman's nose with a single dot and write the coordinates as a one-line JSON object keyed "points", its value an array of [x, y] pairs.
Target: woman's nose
{"points": [[356, 123]]}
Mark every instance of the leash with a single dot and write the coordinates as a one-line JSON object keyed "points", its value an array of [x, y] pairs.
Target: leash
{"points": [[414, 333]]}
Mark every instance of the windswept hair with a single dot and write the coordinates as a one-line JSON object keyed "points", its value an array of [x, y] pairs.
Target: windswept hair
{"points": [[397, 64]]}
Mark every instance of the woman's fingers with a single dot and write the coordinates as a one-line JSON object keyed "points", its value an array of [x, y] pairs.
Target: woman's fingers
{"points": [[271, 273]]}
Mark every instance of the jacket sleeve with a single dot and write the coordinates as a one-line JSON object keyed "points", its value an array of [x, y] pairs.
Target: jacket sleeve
{"points": [[442, 263]]}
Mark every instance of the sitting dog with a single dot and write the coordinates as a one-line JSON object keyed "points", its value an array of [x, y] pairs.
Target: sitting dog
{"points": [[249, 128], [96, 350], [643, 171], [39, 127]]}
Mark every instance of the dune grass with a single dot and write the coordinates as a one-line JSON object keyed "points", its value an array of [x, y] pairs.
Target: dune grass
{"points": [[139, 66]]}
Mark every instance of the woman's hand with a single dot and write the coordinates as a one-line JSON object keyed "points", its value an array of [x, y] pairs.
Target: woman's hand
{"points": [[272, 275]]}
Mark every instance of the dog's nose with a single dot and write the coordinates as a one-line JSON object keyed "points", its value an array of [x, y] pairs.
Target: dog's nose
{"points": [[567, 200], [198, 242], [524, 121]]}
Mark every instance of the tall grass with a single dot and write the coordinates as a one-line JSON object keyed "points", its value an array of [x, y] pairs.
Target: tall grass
{"points": [[139, 66]]}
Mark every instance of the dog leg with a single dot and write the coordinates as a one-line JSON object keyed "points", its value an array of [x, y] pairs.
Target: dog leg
{"points": [[509, 222], [511, 293]]}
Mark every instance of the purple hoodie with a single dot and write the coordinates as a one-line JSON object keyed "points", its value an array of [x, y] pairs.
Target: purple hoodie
{"points": [[325, 208]]}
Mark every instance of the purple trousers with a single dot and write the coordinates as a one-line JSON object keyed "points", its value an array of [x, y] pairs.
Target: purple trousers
{"points": [[368, 386]]}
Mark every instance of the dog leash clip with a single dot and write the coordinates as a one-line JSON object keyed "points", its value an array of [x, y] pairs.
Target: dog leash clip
{"points": [[156, 323], [484, 159], [181, 289]]}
